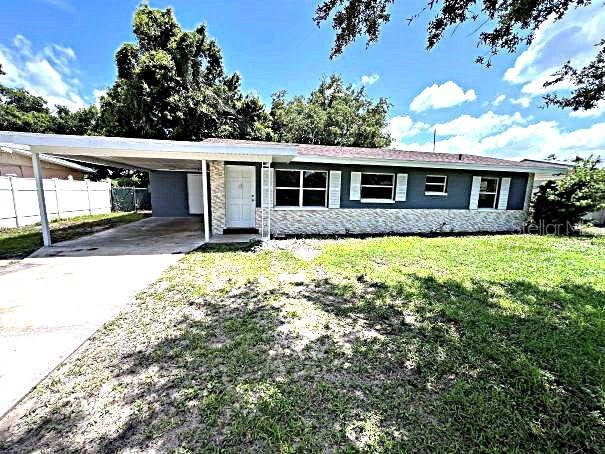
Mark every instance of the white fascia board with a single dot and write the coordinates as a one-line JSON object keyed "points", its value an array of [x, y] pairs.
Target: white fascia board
{"points": [[145, 148], [26, 151], [425, 164]]}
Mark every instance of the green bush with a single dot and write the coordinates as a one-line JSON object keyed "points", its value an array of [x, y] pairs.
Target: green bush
{"points": [[559, 206]]}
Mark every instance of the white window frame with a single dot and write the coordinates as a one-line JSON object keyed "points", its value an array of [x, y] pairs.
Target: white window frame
{"points": [[393, 184], [301, 190], [443, 192], [495, 206]]}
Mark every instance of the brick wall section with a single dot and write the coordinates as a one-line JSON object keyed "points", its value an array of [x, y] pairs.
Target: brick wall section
{"points": [[217, 196], [359, 221]]}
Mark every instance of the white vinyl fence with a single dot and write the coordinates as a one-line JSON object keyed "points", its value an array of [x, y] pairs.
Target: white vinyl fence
{"points": [[64, 199]]}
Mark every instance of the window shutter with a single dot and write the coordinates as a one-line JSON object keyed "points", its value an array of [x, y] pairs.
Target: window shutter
{"points": [[334, 194], [475, 188], [503, 197], [267, 190], [401, 190], [355, 190]]}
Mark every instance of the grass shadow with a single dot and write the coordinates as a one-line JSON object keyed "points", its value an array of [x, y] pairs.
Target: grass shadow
{"points": [[428, 364]]}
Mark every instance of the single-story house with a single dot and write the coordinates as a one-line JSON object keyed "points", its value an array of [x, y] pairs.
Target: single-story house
{"points": [[18, 163], [280, 189]]}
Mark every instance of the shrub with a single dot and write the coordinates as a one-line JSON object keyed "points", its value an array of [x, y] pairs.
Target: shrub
{"points": [[559, 206]]}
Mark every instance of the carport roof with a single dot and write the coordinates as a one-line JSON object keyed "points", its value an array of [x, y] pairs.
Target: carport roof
{"points": [[145, 153], [151, 154]]}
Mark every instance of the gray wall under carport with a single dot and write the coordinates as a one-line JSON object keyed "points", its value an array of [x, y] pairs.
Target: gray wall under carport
{"points": [[168, 194]]}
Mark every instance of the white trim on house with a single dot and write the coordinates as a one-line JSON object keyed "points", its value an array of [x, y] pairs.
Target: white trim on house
{"points": [[24, 151], [301, 188], [147, 150], [406, 163], [443, 192], [401, 187]]}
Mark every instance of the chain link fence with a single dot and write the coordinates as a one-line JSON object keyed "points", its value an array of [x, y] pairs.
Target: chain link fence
{"points": [[130, 199]]}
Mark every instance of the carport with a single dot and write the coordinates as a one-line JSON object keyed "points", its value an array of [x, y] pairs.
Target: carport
{"points": [[147, 155]]}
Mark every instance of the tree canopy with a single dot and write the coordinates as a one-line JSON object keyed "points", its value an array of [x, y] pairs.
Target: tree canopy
{"points": [[333, 114], [509, 24], [23, 111], [171, 84]]}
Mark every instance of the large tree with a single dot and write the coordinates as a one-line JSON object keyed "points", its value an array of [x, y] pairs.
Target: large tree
{"points": [[333, 114], [507, 25], [171, 84]]}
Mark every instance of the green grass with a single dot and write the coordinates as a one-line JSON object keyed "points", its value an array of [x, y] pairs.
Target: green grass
{"points": [[19, 242], [484, 343]]}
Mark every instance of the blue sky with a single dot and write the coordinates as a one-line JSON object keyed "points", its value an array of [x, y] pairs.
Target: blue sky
{"points": [[64, 49]]}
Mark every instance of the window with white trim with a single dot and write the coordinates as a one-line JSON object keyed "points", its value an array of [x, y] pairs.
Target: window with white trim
{"points": [[488, 192], [377, 186], [435, 185], [301, 188]]}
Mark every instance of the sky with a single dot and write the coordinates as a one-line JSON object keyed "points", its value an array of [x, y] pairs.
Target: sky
{"points": [[64, 51]]}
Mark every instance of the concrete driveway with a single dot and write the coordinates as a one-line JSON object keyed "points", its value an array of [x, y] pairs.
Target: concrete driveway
{"points": [[54, 300]]}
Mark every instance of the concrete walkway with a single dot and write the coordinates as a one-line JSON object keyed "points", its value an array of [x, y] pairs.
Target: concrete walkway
{"points": [[54, 300]]}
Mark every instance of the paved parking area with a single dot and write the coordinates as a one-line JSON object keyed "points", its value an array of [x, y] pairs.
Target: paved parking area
{"points": [[54, 300]]}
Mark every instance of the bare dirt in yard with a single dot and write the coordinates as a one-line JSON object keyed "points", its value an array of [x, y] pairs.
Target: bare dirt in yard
{"points": [[370, 345]]}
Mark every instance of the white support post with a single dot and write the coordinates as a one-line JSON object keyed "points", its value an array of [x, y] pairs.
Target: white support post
{"points": [[271, 206], [88, 194], [14, 195], [262, 201], [41, 201], [205, 195], [57, 197]]}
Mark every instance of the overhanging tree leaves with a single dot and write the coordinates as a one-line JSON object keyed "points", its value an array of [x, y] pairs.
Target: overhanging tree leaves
{"points": [[509, 23], [333, 114], [171, 85]]}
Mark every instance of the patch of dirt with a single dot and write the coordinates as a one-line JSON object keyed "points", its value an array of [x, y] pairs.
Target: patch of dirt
{"points": [[304, 249]]}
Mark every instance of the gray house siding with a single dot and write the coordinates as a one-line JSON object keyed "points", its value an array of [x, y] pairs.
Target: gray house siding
{"points": [[169, 194], [458, 186]]}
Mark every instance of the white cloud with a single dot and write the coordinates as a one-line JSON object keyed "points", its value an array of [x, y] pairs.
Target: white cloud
{"points": [[496, 102], [98, 94], [523, 101], [572, 38], [441, 96], [369, 79], [477, 127], [595, 112], [47, 73], [400, 127], [508, 136]]}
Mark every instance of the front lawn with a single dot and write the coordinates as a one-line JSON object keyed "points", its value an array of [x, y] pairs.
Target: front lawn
{"points": [[418, 344], [19, 242]]}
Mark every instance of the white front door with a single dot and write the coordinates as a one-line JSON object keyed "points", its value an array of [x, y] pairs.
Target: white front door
{"points": [[240, 202]]}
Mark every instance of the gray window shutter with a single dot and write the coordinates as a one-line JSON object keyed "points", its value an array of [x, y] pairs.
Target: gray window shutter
{"points": [[355, 190], [334, 193], [503, 197], [267, 190], [474, 201], [401, 190]]}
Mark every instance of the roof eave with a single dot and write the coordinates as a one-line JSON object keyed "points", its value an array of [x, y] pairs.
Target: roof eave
{"points": [[416, 163]]}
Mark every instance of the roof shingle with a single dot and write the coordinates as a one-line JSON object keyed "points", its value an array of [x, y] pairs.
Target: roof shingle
{"points": [[385, 154]]}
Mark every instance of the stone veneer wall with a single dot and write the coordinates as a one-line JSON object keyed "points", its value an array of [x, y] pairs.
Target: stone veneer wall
{"points": [[376, 220], [217, 196]]}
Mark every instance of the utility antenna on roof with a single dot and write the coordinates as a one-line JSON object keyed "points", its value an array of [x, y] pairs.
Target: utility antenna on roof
{"points": [[434, 139]]}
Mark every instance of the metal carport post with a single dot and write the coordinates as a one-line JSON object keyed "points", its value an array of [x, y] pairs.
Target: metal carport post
{"points": [[41, 200]]}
